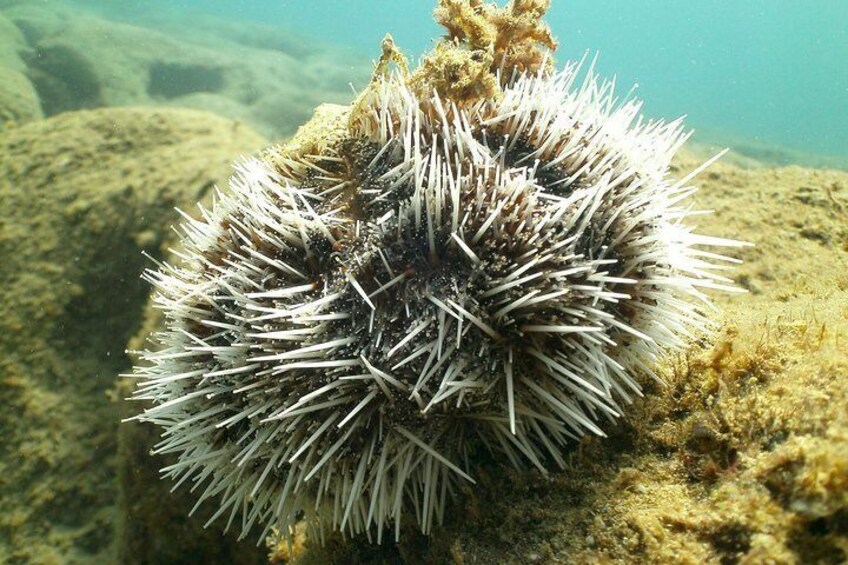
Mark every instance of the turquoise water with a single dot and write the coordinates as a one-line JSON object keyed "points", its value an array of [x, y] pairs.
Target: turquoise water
{"points": [[770, 73]]}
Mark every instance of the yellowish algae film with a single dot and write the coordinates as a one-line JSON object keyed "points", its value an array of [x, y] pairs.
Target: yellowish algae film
{"points": [[741, 456]]}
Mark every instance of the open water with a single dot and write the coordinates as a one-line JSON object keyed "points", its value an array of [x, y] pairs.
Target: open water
{"points": [[761, 75]]}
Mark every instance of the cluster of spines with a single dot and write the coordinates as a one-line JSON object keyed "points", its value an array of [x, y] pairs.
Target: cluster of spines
{"points": [[345, 325]]}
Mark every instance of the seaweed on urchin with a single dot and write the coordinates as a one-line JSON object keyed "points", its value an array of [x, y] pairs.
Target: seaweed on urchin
{"points": [[344, 327]]}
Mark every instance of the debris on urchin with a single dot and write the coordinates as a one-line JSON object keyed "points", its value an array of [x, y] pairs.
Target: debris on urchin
{"points": [[343, 328]]}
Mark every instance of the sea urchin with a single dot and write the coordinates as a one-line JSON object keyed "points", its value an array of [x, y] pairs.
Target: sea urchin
{"points": [[344, 328]]}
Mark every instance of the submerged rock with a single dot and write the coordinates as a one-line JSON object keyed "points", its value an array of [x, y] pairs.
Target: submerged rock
{"points": [[83, 194], [18, 99], [77, 60]]}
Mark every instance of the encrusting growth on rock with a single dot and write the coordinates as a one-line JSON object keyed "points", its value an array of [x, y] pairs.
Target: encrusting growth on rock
{"points": [[515, 35], [484, 42], [483, 254]]}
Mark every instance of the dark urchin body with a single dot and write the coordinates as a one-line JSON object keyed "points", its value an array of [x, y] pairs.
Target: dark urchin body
{"points": [[343, 326]]}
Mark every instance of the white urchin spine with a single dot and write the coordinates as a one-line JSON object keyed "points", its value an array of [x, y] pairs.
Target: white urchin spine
{"points": [[344, 329]]}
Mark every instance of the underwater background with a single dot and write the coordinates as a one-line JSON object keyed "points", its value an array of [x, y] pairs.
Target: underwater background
{"points": [[766, 76], [112, 113]]}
